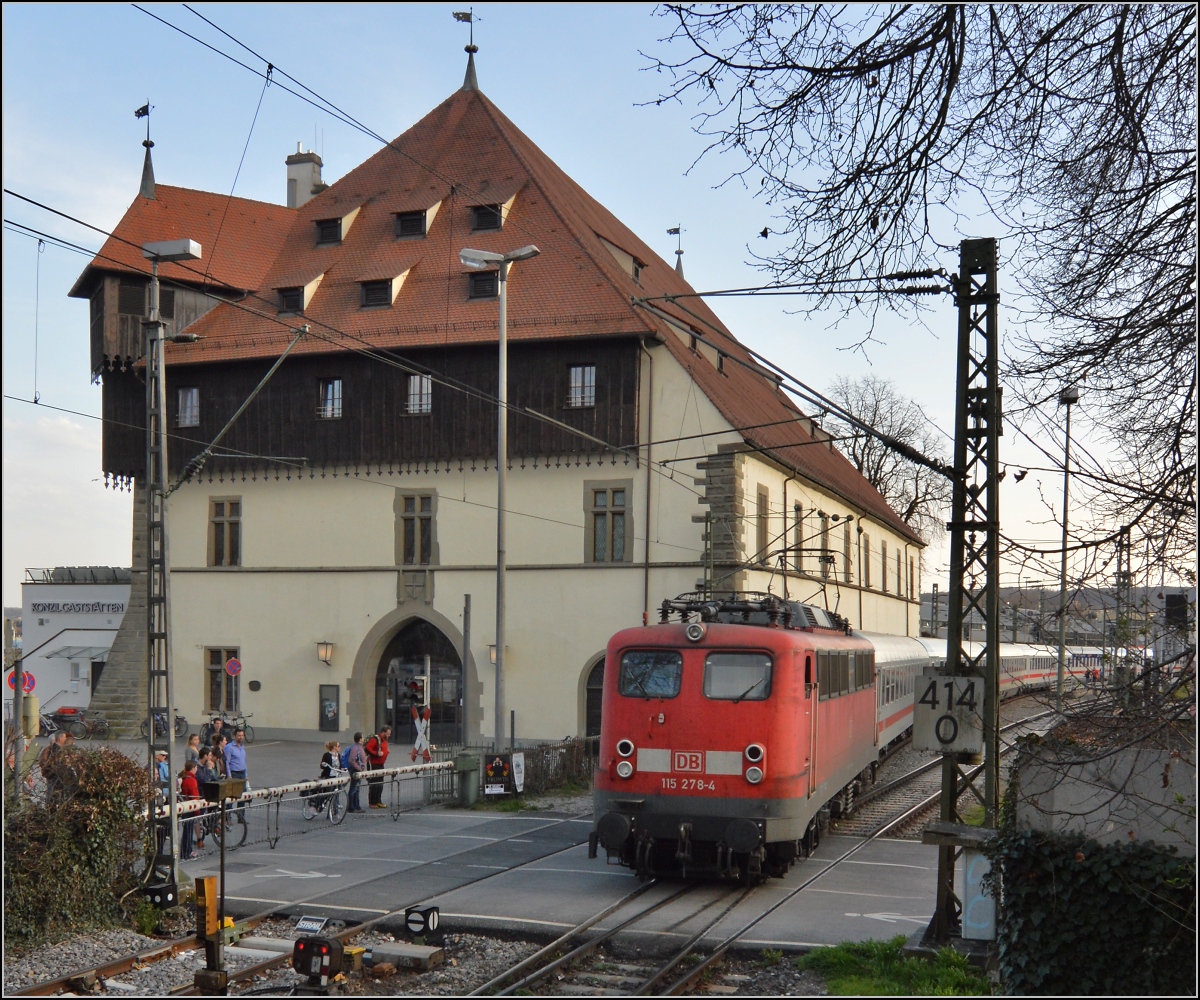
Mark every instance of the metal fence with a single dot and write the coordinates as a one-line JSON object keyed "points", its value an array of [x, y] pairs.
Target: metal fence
{"points": [[548, 766], [269, 814]]}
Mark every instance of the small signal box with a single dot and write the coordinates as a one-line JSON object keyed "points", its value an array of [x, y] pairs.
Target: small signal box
{"points": [[319, 958]]}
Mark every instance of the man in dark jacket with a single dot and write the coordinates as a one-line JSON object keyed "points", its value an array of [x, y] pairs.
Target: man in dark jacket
{"points": [[356, 761]]}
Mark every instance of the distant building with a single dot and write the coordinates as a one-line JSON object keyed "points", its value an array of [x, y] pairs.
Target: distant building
{"points": [[353, 504], [69, 619]]}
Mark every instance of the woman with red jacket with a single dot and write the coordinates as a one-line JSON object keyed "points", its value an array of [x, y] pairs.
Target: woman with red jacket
{"points": [[189, 790], [377, 755]]}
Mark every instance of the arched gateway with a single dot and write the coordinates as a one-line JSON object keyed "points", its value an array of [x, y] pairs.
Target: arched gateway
{"points": [[403, 660]]}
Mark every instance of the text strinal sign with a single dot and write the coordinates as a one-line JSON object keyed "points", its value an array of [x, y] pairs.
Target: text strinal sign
{"points": [[947, 714]]}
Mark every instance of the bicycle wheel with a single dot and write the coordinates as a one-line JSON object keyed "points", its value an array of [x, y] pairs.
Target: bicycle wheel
{"points": [[206, 732], [309, 807], [337, 806], [249, 729], [181, 726], [229, 829], [144, 728], [100, 729], [78, 729]]}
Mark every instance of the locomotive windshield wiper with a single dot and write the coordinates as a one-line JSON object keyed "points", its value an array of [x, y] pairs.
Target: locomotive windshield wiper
{"points": [[642, 687], [748, 690]]}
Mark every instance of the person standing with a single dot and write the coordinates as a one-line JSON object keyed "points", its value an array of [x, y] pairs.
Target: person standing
{"points": [[192, 750], [235, 763], [376, 749], [356, 760], [206, 770], [189, 791], [219, 743], [48, 761]]}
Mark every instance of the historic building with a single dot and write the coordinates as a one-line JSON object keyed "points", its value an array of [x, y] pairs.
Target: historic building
{"points": [[354, 501]]}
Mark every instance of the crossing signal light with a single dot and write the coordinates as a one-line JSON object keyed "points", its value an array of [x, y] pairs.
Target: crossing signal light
{"points": [[417, 692]]}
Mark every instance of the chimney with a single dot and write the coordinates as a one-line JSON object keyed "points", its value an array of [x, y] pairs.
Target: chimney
{"points": [[303, 177]]}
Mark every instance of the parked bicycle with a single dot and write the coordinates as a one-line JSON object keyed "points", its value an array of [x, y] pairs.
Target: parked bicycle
{"points": [[207, 730], [160, 725], [229, 723], [332, 803], [76, 722], [229, 826], [239, 722]]}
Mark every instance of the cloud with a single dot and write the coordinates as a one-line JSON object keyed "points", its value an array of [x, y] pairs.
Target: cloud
{"points": [[57, 511]]}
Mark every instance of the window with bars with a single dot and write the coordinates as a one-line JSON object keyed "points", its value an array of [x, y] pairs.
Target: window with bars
{"points": [[189, 407], [826, 556], [609, 516], [329, 405], [223, 690], [420, 394], [486, 217], [883, 564], [581, 386], [416, 529], [899, 587], [291, 300], [225, 531], [410, 223], [329, 231], [847, 565], [865, 556], [798, 539], [484, 285], [377, 293]]}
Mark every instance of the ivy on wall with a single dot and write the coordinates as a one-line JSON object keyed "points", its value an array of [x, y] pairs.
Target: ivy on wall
{"points": [[1082, 919]]}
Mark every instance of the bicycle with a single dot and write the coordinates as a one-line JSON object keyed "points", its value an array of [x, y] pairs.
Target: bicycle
{"points": [[78, 725], [333, 803], [239, 722], [51, 724], [228, 825], [160, 725]]}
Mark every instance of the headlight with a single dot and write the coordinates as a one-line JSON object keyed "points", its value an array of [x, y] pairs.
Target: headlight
{"points": [[625, 769], [695, 631], [753, 774], [755, 753], [625, 748]]}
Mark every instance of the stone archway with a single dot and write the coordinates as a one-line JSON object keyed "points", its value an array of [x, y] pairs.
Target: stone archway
{"points": [[403, 660]]}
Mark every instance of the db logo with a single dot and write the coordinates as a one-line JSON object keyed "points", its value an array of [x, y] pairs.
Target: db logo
{"points": [[688, 761]]}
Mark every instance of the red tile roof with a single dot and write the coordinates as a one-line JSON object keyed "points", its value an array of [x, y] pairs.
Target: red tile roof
{"points": [[250, 238], [465, 153]]}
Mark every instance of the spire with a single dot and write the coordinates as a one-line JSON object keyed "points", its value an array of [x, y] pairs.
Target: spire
{"points": [[676, 231], [148, 173], [147, 190], [470, 81]]}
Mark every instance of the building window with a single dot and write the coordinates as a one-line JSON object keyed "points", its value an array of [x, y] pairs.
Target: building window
{"points": [[581, 386], [416, 529], [899, 588], [329, 407], [223, 690], [484, 285], [883, 564], [189, 407], [410, 223], [420, 394], [225, 532], [911, 576], [865, 556], [826, 557], [761, 523], [291, 300], [377, 293], [486, 217], [798, 538], [131, 297], [847, 567], [608, 517], [329, 231]]}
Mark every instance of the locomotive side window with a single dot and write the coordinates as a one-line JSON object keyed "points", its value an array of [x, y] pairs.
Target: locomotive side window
{"points": [[737, 676], [650, 673]]}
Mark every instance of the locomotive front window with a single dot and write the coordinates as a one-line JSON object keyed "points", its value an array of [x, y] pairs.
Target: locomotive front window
{"points": [[650, 673], [737, 676]]}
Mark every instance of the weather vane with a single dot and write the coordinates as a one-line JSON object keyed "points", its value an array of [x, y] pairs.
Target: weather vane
{"points": [[468, 16], [144, 112], [676, 231]]}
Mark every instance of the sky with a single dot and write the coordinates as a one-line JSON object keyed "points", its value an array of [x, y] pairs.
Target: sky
{"points": [[574, 77]]}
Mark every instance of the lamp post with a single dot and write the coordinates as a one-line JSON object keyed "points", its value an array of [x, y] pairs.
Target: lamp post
{"points": [[161, 877], [1066, 398], [480, 260]]}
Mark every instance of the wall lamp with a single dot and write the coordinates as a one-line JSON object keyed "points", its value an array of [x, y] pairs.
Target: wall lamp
{"points": [[325, 652]]}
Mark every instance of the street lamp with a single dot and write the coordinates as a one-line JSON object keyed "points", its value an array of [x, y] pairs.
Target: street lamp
{"points": [[481, 260], [160, 881], [1066, 398]]}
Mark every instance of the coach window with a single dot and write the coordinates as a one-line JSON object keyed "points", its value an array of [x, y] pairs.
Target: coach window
{"points": [[737, 676], [651, 673]]}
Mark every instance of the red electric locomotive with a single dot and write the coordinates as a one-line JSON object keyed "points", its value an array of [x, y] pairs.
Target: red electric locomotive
{"points": [[729, 735]]}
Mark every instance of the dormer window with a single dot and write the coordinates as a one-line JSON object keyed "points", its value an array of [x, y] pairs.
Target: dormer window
{"points": [[329, 231], [377, 293], [291, 300], [485, 285], [486, 217], [410, 223]]}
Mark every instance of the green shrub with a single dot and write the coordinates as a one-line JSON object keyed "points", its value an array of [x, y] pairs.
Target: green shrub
{"points": [[880, 968], [68, 861]]}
